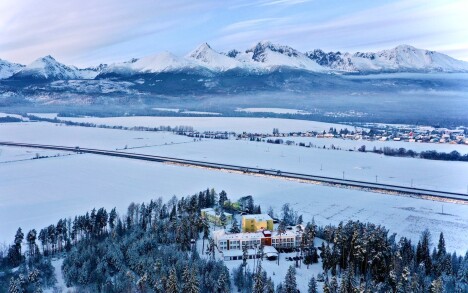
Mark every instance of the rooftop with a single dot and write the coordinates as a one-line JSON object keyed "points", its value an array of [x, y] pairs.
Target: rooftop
{"points": [[258, 217]]}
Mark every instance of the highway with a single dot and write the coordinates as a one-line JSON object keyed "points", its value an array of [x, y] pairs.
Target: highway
{"points": [[332, 181]]}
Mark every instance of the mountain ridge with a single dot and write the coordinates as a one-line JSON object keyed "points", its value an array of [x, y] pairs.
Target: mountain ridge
{"points": [[263, 58]]}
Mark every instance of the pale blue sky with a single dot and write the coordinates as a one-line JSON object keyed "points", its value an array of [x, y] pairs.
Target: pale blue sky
{"points": [[89, 32]]}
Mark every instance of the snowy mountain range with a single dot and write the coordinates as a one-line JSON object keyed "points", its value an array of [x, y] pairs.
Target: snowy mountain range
{"points": [[263, 58]]}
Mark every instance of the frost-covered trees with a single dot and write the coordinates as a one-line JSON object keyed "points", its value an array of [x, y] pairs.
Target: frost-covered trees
{"points": [[312, 286], [290, 284], [235, 226]]}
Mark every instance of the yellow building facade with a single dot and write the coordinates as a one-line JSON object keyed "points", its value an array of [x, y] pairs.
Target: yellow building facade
{"points": [[253, 223]]}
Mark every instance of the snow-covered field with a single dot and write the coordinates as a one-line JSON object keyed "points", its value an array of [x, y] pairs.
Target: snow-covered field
{"points": [[36, 193], [59, 134], [441, 175], [273, 110], [9, 154], [237, 124], [2, 115], [347, 144]]}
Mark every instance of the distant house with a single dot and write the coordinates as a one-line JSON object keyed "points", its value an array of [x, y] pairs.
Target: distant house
{"points": [[254, 223], [211, 215]]}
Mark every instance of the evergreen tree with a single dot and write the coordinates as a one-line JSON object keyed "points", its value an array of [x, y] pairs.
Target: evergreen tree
{"points": [[223, 284], [223, 219], [290, 285], [191, 284], [441, 246], [437, 286], [334, 285], [172, 283], [31, 238], [404, 286], [222, 198], [19, 239], [258, 278], [299, 220], [326, 286], [312, 286], [235, 226], [269, 286]]}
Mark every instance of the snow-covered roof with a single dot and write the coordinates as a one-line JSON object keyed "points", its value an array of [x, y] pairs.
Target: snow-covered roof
{"points": [[268, 250], [212, 212], [239, 236], [259, 217], [239, 252]]}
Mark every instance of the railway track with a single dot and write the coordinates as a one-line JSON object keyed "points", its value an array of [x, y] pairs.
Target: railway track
{"points": [[333, 181]]}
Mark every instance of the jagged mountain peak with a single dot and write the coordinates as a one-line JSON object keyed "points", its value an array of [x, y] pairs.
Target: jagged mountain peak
{"points": [[213, 60], [263, 57], [8, 68]]}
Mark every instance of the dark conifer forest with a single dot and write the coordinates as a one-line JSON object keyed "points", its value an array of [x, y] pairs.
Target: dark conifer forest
{"points": [[153, 248]]}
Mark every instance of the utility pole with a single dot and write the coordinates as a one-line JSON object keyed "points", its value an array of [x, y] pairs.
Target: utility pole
{"points": [[375, 178], [411, 182], [343, 175]]}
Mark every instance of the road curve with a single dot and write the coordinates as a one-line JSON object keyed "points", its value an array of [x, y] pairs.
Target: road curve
{"points": [[370, 186]]}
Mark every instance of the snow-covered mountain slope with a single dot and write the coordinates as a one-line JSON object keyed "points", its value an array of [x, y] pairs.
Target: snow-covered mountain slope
{"points": [[91, 72], [264, 58], [161, 62], [406, 57], [272, 56], [7, 69], [402, 58], [47, 68], [333, 60], [209, 58]]}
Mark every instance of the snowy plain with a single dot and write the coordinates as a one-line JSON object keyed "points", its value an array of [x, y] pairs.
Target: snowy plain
{"points": [[442, 175], [273, 110], [347, 144], [236, 124]]}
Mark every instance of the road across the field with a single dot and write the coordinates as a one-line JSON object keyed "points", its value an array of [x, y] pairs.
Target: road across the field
{"points": [[370, 186]]}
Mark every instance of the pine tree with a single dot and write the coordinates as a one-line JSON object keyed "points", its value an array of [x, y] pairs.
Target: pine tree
{"points": [[312, 285], [235, 226], [269, 286], [190, 281], [223, 219], [326, 286], [404, 286], [172, 284], [334, 285], [31, 238], [441, 246], [222, 198], [19, 239], [290, 285], [437, 286], [223, 284], [259, 282]]}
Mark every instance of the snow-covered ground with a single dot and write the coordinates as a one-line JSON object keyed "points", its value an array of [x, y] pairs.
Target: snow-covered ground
{"points": [[273, 110], [36, 193], [59, 134], [347, 144], [200, 113], [44, 115], [8, 154], [441, 175], [167, 109], [237, 124], [2, 115]]}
